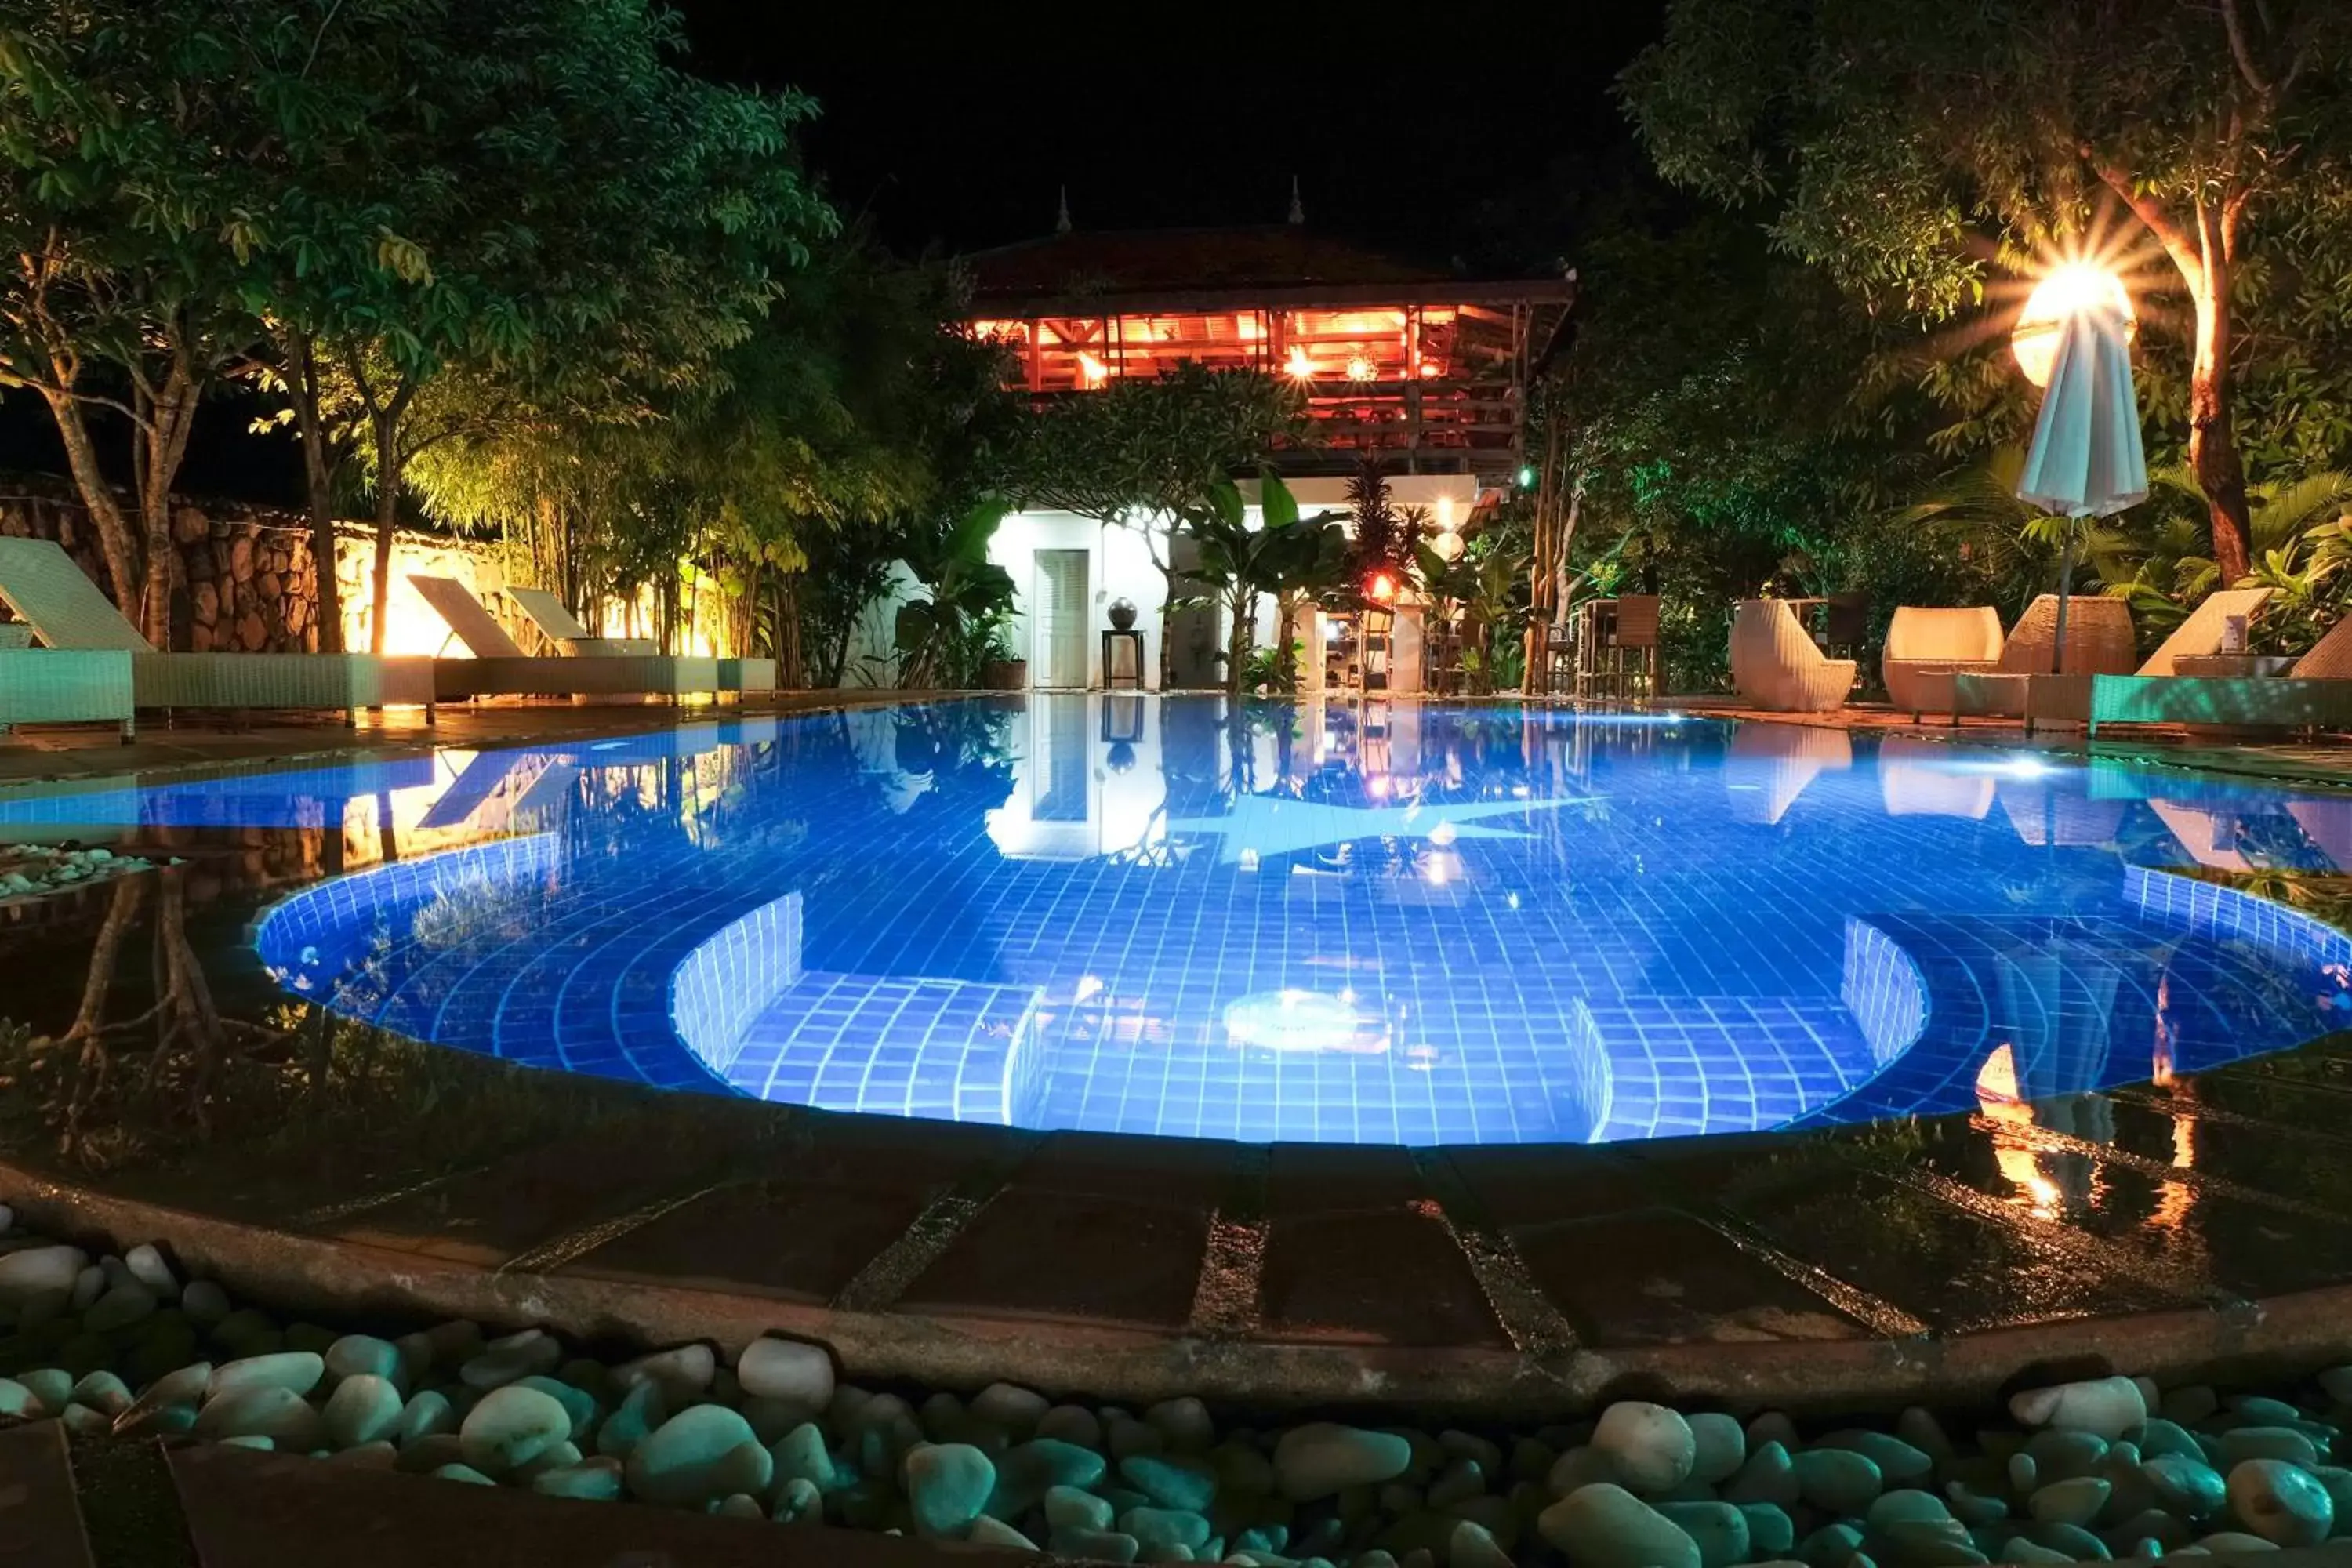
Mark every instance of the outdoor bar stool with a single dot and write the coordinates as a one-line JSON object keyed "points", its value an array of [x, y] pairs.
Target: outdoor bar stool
{"points": [[1625, 625], [1845, 625]]}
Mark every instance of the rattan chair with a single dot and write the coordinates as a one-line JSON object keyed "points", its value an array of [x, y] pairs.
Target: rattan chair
{"points": [[1926, 648], [1775, 664]]}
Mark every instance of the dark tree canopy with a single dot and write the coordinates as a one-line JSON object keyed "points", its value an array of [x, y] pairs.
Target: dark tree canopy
{"points": [[1925, 152]]}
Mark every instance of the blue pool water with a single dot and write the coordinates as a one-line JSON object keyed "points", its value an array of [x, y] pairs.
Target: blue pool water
{"points": [[1382, 924]]}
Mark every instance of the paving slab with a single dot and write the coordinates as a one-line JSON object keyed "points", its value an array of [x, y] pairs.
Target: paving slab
{"points": [[41, 1518]]}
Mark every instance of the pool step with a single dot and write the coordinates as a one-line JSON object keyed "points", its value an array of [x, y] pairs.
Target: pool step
{"points": [[1683, 1066]]}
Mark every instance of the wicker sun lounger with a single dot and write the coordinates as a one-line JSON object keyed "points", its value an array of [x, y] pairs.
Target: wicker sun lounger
{"points": [[2316, 694], [560, 626], [65, 686], [66, 610], [501, 669]]}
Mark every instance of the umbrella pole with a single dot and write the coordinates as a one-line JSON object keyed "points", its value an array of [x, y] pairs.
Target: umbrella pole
{"points": [[2065, 582]]}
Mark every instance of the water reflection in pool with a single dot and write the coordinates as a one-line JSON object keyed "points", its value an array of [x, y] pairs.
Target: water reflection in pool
{"points": [[1384, 923]]}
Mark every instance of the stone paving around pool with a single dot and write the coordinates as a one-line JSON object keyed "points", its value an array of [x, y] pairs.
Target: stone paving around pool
{"points": [[2201, 1223]]}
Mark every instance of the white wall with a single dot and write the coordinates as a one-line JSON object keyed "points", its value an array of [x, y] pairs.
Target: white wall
{"points": [[872, 643], [1118, 566]]}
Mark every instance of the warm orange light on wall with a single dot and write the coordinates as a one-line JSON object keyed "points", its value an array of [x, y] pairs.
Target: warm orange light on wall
{"points": [[1360, 367], [1299, 365], [1246, 327]]}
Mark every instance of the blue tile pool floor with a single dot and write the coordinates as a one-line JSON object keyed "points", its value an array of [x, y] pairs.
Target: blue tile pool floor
{"points": [[1371, 924]]}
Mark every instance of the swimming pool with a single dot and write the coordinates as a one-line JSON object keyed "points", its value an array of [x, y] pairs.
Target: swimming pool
{"points": [[1388, 923]]}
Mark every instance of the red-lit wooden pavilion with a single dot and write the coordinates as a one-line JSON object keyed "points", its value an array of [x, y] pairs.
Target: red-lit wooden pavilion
{"points": [[1427, 368]]}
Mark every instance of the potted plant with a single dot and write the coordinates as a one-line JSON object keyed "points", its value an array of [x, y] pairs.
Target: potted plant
{"points": [[1000, 669]]}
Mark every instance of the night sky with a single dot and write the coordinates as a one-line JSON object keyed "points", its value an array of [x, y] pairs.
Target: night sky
{"points": [[1442, 133], [955, 127]]}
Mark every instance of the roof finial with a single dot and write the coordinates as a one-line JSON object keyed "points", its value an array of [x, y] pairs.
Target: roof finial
{"points": [[1298, 207], [1062, 212]]}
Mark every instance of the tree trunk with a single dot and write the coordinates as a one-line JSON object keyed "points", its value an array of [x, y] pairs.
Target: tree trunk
{"points": [[116, 541], [383, 422], [2212, 442], [1240, 603], [387, 520], [163, 443], [2202, 244], [317, 474]]}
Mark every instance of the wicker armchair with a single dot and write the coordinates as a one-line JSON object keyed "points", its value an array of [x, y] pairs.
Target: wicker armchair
{"points": [[1926, 648], [1775, 664]]}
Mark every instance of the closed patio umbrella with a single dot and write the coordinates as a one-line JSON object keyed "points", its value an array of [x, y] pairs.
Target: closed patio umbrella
{"points": [[2086, 458]]}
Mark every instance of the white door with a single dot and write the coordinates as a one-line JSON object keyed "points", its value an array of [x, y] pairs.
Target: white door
{"points": [[1060, 655]]}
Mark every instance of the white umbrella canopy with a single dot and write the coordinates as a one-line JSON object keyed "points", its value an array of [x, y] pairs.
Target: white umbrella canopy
{"points": [[2086, 460]]}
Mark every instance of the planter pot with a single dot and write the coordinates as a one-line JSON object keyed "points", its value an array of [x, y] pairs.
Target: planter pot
{"points": [[1122, 615], [1006, 675]]}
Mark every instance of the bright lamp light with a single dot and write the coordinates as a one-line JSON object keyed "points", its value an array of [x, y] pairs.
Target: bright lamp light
{"points": [[2073, 287]]}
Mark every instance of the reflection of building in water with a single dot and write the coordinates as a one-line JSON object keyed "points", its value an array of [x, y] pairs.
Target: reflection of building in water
{"points": [[1086, 780]]}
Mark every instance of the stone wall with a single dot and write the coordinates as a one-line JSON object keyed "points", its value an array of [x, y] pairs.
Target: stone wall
{"points": [[243, 578]]}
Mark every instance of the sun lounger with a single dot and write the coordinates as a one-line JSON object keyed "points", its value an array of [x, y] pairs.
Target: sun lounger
{"points": [[66, 610], [560, 627], [2316, 694], [65, 686], [501, 669]]}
